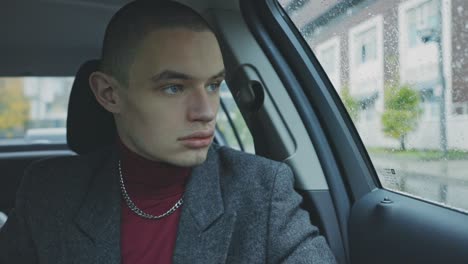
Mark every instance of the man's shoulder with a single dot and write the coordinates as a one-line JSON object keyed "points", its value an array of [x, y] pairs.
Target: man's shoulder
{"points": [[237, 158], [69, 162], [62, 171], [246, 177], [246, 167]]}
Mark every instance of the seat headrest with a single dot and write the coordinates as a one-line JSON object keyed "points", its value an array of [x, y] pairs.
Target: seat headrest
{"points": [[89, 125]]}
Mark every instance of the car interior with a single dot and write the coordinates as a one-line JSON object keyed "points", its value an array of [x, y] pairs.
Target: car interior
{"points": [[285, 99]]}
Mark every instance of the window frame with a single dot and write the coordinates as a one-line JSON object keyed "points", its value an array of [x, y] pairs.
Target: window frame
{"points": [[336, 121], [42, 111], [388, 215], [433, 106]]}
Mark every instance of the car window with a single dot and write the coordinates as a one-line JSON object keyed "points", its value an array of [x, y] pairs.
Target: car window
{"points": [[33, 110], [231, 125], [400, 69]]}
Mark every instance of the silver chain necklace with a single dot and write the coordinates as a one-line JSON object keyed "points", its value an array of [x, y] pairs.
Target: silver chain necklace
{"points": [[137, 210]]}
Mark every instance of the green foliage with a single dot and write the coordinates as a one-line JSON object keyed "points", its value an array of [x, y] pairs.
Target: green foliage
{"points": [[351, 104], [14, 110], [401, 111]]}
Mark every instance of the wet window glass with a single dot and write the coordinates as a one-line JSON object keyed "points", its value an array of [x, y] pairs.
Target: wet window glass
{"points": [[400, 68], [33, 110]]}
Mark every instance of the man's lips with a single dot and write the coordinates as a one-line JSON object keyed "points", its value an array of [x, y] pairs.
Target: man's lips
{"points": [[198, 135], [197, 140]]}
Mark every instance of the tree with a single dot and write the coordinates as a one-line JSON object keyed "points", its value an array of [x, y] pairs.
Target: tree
{"points": [[351, 104], [401, 112], [14, 109]]}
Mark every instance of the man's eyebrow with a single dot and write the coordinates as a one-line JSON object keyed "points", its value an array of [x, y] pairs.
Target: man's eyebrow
{"points": [[169, 75], [222, 73]]}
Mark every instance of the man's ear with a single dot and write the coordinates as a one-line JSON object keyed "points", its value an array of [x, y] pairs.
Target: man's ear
{"points": [[104, 88]]}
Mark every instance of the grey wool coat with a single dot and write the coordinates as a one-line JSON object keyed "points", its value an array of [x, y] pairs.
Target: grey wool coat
{"points": [[238, 208]]}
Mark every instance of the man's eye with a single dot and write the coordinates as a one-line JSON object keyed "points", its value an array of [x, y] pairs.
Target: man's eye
{"points": [[173, 89], [213, 87]]}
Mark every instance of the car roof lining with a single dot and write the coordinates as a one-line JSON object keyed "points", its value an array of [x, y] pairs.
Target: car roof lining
{"points": [[54, 37]]}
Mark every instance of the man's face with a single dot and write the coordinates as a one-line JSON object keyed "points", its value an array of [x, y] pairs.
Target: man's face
{"points": [[168, 111]]}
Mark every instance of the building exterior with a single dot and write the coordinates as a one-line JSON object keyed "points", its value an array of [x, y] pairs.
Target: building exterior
{"points": [[45, 100], [48, 100], [368, 45]]}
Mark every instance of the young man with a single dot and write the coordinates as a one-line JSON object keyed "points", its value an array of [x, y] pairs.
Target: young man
{"points": [[164, 193]]}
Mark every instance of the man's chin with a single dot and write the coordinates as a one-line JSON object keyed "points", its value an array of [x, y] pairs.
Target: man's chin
{"points": [[191, 157]]}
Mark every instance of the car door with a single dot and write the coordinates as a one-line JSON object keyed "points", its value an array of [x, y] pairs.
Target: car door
{"points": [[375, 88]]}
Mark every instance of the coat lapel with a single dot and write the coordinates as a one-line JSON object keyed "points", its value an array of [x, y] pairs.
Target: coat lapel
{"points": [[205, 228], [99, 216], [204, 231]]}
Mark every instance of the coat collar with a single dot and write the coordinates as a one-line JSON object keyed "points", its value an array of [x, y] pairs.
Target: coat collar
{"points": [[202, 197], [100, 214], [205, 227]]}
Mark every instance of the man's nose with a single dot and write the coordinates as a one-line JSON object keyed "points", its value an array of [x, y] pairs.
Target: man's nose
{"points": [[202, 106]]}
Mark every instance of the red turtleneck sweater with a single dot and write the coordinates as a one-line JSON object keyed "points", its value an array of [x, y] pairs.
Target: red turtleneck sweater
{"points": [[154, 187]]}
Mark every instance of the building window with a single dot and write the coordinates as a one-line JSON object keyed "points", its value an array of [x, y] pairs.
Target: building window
{"points": [[328, 54], [369, 111], [366, 46], [460, 108], [422, 16], [328, 60], [366, 73]]}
